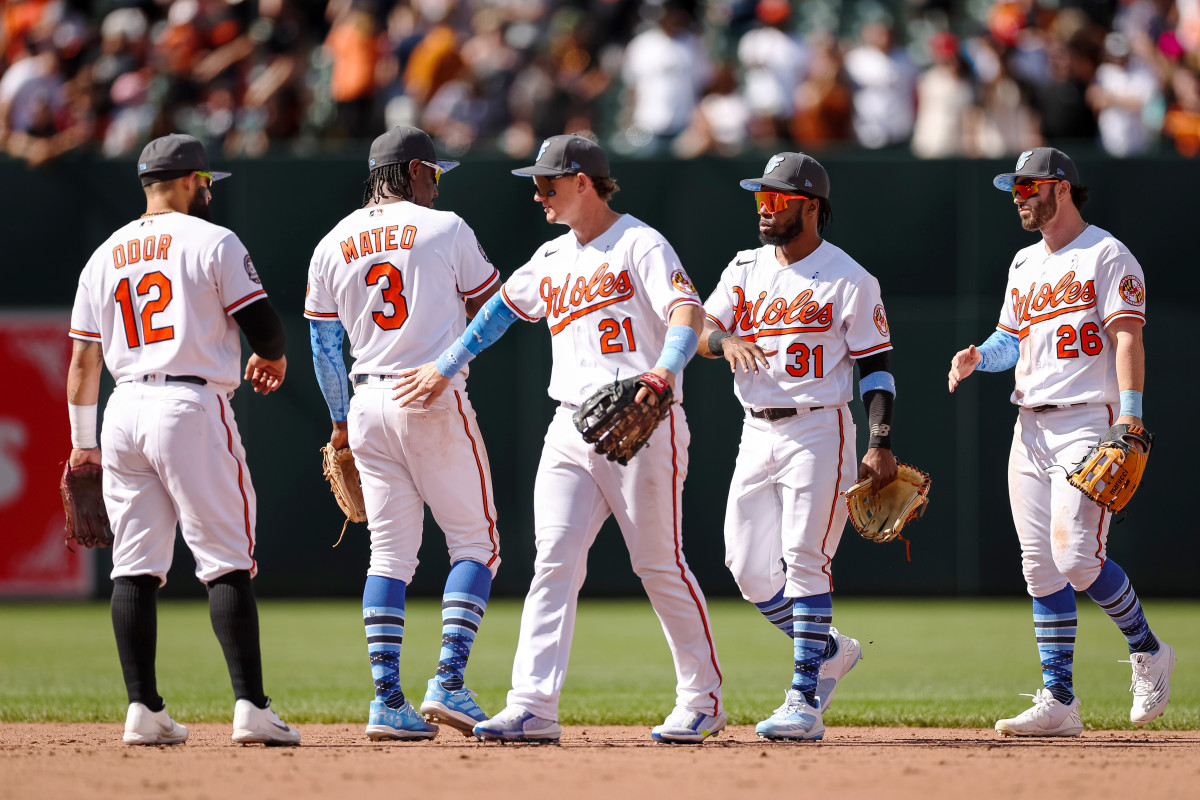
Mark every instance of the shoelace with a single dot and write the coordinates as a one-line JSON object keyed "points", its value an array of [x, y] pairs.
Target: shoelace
{"points": [[1142, 683], [1040, 700]]}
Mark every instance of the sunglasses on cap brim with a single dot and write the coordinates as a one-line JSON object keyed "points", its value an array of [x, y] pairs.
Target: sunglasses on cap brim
{"points": [[1028, 190], [775, 201]]}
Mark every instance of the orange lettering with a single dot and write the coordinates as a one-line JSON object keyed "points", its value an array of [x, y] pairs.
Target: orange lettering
{"points": [[135, 251], [118, 256], [377, 233], [389, 237], [164, 242], [364, 243], [348, 250]]}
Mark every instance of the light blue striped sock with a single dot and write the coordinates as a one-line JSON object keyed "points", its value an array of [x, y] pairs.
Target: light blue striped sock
{"points": [[383, 619], [811, 617], [778, 611], [1054, 624], [463, 603], [1113, 592]]}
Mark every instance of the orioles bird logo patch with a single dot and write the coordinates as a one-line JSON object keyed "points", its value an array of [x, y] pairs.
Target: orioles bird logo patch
{"points": [[251, 273], [682, 282], [881, 320], [1133, 291]]}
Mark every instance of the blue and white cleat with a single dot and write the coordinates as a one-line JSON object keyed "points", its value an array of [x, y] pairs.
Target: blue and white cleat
{"points": [[848, 653], [795, 720], [1151, 684], [685, 726], [403, 723], [457, 709], [515, 724]]}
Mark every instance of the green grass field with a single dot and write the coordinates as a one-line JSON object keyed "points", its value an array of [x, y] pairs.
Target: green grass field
{"points": [[957, 663]]}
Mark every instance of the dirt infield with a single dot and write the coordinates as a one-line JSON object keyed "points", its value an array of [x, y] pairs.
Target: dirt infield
{"points": [[90, 761]]}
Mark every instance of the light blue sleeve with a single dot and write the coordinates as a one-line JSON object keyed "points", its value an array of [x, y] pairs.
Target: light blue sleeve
{"points": [[326, 339], [1001, 351], [489, 324]]}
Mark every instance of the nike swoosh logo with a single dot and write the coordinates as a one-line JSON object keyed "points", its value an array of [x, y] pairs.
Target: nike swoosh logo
{"points": [[748, 261], [550, 252], [1019, 263]]}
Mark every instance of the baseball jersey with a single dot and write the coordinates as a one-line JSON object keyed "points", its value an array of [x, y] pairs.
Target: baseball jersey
{"points": [[1058, 305], [158, 295], [819, 313], [607, 303], [395, 276]]}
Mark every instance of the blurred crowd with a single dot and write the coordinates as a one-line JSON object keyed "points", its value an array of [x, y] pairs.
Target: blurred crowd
{"points": [[672, 77]]}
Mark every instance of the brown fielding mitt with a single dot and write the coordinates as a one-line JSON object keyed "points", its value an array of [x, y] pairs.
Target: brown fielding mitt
{"points": [[1112, 470], [881, 517], [342, 474], [83, 503], [618, 426]]}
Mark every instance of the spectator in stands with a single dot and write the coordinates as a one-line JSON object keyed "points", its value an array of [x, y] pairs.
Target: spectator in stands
{"points": [[945, 96], [884, 81]]}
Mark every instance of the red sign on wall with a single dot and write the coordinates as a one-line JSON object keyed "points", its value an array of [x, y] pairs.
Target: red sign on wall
{"points": [[35, 441]]}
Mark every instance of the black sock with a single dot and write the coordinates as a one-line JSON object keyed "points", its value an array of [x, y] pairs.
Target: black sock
{"points": [[234, 616], [135, 624]]}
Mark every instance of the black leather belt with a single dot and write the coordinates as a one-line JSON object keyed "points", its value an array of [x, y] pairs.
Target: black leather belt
{"points": [[1040, 409], [772, 414], [196, 379], [359, 380]]}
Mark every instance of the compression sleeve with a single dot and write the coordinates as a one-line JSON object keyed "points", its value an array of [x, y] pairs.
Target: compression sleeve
{"points": [[326, 339], [263, 329], [1001, 351], [488, 325]]}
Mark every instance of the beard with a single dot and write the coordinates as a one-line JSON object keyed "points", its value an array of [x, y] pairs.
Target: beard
{"points": [[198, 205], [1040, 214], [787, 234]]}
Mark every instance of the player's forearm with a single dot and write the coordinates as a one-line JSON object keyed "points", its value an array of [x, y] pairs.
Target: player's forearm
{"points": [[877, 387], [83, 393], [485, 329], [326, 339], [1001, 351], [263, 329], [1131, 355]]}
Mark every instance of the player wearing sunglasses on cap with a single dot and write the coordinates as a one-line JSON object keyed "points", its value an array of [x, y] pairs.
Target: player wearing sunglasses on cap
{"points": [[792, 318]]}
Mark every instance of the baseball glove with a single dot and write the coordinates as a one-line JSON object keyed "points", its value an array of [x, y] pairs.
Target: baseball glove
{"points": [[1112, 469], [342, 474], [83, 503], [881, 517], [618, 426]]}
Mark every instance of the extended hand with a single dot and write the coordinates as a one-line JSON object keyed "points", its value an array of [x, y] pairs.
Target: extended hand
{"points": [[738, 351], [265, 376], [416, 383], [963, 364]]}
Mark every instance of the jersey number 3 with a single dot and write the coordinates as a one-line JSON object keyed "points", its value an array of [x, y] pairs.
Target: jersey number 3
{"points": [[392, 295], [150, 334]]}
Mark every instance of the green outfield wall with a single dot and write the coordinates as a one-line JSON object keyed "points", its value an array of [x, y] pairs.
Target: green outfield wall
{"points": [[936, 234]]}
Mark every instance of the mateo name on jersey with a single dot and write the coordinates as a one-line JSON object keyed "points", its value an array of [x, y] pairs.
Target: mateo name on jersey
{"points": [[570, 302], [802, 309], [1076, 295], [378, 240]]}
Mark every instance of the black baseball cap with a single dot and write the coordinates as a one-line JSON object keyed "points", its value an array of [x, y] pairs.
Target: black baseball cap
{"points": [[794, 173], [401, 145], [173, 156], [568, 154], [1040, 162]]}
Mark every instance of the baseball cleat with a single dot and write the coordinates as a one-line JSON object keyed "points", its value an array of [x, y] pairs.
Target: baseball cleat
{"points": [[400, 724], [1151, 685], [515, 724], [143, 726], [795, 720], [685, 726], [1047, 717], [833, 669], [254, 725], [457, 709]]}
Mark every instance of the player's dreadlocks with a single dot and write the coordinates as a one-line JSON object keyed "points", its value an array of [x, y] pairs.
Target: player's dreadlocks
{"points": [[390, 180], [824, 213]]}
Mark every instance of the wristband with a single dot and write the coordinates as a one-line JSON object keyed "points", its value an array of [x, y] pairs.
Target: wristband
{"points": [[83, 426], [455, 357], [716, 341], [1131, 403], [678, 348]]}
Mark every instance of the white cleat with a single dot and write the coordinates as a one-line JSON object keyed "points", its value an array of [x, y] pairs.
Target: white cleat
{"points": [[848, 653], [794, 721], [254, 725], [143, 726], [1048, 717], [1151, 685], [685, 726]]}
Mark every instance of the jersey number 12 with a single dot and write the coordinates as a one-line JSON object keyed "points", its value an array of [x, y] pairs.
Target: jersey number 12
{"points": [[150, 334]]}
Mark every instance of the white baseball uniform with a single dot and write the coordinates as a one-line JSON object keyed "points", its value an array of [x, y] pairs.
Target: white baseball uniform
{"points": [[396, 276], [158, 296], [785, 513], [607, 304], [1059, 305]]}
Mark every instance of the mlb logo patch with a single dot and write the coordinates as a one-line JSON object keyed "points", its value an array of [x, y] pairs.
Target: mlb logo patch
{"points": [[371, 162], [142, 166]]}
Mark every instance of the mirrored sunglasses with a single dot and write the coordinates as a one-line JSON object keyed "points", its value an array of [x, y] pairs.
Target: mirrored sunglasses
{"points": [[1028, 190], [775, 201], [206, 175]]}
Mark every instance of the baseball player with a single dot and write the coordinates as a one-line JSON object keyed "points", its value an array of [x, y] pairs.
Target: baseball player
{"points": [[1071, 324], [400, 278], [617, 301], [161, 302], [794, 316]]}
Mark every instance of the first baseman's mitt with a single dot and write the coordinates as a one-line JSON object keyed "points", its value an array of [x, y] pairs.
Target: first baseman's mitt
{"points": [[1112, 469], [880, 517], [342, 474], [618, 426], [83, 503]]}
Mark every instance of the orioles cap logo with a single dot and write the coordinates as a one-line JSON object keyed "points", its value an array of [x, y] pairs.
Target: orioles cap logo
{"points": [[542, 151], [772, 164], [142, 166], [1023, 158]]}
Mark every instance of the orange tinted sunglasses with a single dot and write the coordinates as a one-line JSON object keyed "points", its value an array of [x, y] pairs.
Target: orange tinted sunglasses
{"points": [[1028, 190], [775, 201]]}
